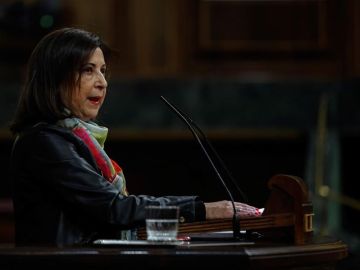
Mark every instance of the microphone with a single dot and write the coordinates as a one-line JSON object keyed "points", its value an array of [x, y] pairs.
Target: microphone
{"points": [[208, 143], [189, 123]]}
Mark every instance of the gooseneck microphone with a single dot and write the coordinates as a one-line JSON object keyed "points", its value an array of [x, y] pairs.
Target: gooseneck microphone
{"points": [[222, 164], [184, 118]]}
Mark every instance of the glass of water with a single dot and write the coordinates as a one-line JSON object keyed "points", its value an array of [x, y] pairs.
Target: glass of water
{"points": [[162, 222]]}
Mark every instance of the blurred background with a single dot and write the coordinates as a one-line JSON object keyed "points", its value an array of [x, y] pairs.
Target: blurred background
{"points": [[273, 84]]}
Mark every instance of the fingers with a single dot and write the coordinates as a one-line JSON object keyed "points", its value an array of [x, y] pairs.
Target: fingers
{"points": [[247, 210], [225, 209]]}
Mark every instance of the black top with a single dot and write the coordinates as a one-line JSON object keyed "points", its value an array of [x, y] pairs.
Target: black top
{"points": [[61, 198]]}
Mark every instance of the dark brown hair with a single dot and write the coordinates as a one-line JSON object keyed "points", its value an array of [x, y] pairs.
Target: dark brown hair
{"points": [[51, 74]]}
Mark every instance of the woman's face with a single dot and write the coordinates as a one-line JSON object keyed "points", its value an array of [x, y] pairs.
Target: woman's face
{"points": [[86, 101]]}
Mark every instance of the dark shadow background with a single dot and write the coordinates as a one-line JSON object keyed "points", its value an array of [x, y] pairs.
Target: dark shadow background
{"points": [[255, 78]]}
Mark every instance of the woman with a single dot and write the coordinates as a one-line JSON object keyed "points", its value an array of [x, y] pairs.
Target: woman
{"points": [[66, 190]]}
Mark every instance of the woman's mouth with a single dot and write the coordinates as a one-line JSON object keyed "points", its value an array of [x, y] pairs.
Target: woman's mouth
{"points": [[94, 100]]}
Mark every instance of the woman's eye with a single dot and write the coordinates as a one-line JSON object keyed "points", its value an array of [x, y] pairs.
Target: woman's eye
{"points": [[87, 70]]}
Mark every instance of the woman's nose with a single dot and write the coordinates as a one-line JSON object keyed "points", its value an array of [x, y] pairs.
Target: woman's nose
{"points": [[101, 81]]}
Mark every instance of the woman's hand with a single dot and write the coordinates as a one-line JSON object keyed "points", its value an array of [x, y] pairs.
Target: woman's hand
{"points": [[224, 209]]}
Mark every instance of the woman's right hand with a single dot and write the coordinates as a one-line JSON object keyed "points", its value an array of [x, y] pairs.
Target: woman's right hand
{"points": [[224, 209]]}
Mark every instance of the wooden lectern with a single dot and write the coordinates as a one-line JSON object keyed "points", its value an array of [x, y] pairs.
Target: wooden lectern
{"points": [[287, 216]]}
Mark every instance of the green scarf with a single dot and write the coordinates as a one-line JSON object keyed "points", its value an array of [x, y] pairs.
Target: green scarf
{"points": [[94, 137]]}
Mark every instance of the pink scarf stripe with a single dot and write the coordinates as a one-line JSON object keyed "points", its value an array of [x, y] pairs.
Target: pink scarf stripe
{"points": [[99, 158]]}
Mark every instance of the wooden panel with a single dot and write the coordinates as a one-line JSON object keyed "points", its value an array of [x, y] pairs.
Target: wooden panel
{"points": [[288, 38], [263, 25], [353, 38], [7, 230], [122, 37], [265, 39], [145, 36]]}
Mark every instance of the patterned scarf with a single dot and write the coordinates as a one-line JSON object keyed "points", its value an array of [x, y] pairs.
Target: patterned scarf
{"points": [[94, 137]]}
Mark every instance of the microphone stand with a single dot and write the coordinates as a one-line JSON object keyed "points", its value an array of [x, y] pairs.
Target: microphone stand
{"points": [[236, 218], [210, 146]]}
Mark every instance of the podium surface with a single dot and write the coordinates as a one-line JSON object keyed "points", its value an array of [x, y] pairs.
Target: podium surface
{"points": [[287, 242], [322, 253]]}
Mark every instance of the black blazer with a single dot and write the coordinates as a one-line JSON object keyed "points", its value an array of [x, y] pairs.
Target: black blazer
{"points": [[60, 197]]}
